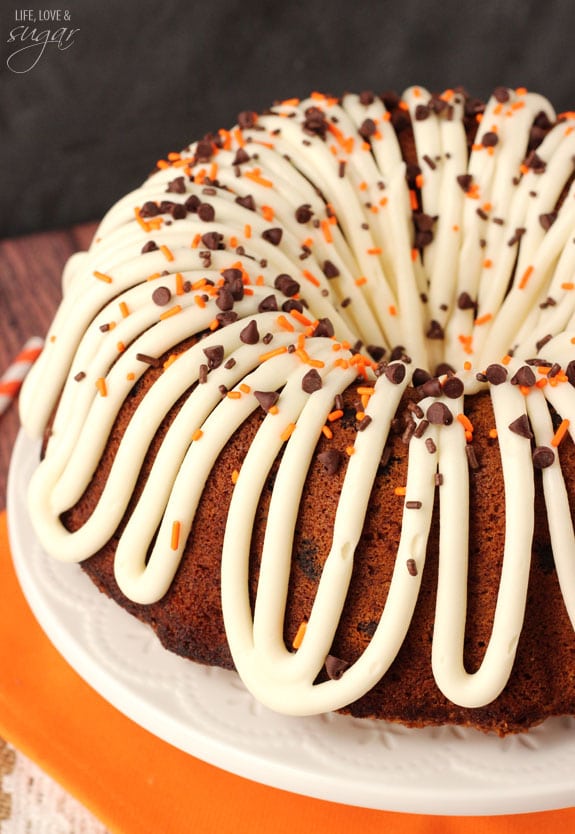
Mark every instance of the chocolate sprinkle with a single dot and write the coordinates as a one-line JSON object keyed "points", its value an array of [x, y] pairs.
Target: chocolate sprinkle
{"points": [[149, 360], [543, 457], [430, 445], [439, 414], [471, 457], [363, 424], [411, 567], [413, 505], [311, 381], [80, 376]]}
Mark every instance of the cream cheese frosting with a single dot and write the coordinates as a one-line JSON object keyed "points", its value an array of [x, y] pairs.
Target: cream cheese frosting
{"points": [[293, 252]]}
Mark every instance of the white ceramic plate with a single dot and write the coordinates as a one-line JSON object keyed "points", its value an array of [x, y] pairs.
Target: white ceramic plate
{"points": [[208, 713]]}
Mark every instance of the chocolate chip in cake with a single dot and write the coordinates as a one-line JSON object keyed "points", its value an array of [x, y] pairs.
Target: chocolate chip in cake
{"points": [[331, 460]]}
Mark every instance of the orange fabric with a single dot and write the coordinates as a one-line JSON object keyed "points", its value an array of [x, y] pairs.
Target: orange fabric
{"points": [[137, 784]]}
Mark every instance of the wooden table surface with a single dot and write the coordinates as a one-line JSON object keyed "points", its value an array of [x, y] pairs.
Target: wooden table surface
{"points": [[30, 273]]}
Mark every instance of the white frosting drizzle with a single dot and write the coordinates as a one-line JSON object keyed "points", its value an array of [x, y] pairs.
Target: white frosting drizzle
{"points": [[460, 262]]}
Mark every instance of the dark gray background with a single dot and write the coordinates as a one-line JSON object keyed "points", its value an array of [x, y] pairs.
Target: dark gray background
{"points": [[142, 78]]}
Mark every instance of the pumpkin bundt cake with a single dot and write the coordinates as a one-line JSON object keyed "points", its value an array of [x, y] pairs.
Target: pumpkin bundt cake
{"points": [[309, 400]]}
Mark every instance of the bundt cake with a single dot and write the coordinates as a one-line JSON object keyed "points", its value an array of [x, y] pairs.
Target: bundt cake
{"points": [[308, 407]]}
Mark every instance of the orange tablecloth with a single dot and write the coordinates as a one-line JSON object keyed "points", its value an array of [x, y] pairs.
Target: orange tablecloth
{"points": [[136, 783]]}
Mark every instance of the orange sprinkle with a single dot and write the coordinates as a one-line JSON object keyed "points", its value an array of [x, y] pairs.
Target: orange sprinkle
{"points": [[167, 253], [234, 395], [487, 263], [335, 415], [179, 283], [153, 276], [403, 105], [493, 433], [326, 231], [327, 432], [235, 476], [376, 250], [483, 319], [170, 360], [300, 634], [121, 347], [196, 241], [311, 278], [368, 390], [362, 186], [506, 359], [255, 176], [197, 434], [102, 387], [361, 281], [285, 324], [270, 354], [455, 227], [101, 276], [341, 363], [526, 276], [131, 376], [301, 318], [414, 254], [541, 383], [525, 390], [175, 541], [247, 231], [374, 209], [173, 311], [350, 450], [200, 301], [560, 433], [392, 310], [124, 309], [288, 431], [239, 137], [145, 226], [465, 422], [244, 388], [413, 200], [162, 164], [383, 201], [568, 285], [467, 366], [291, 102], [273, 410], [400, 490], [419, 181]]}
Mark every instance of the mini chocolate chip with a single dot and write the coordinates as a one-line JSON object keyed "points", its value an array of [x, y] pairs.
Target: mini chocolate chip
{"points": [[435, 330], [570, 372], [395, 372], [496, 374], [464, 181], [465, 302], [303, 213], [331, 460], [206, 212], [212, 240], [225, 299], [286, 284], [367, 128], [247, 202], [431, 387], [501, 94], [268, 304], [335, 667], [161, 296], [521, 427], [177, 186], [150, 246], [324, 327], [439, 414], [490, 139], [214, 355], [267, 399], [524, 376], [250, 334], [420, 376], [547, 220], [422, 112], [330, 270], [273, 236], [311, 381], [543, 457], [453, 387]]}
